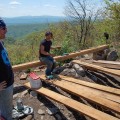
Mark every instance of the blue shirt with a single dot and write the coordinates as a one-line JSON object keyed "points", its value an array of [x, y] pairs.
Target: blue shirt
{"points": [[6, 73]]}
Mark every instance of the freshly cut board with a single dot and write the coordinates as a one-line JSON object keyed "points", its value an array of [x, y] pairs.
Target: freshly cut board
{"points": [[92, 85], [97, 92], [96, 67], [79, 107], [23, 76], [72, 88], [107, 62], [58, 58]]}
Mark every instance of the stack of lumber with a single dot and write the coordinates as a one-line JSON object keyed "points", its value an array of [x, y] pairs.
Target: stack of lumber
{"points": [[103, 96], [106, 97], [107, 64], [103, 63], [97, 68]]}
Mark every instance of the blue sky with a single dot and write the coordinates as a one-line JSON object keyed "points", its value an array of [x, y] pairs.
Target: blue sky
{"points": [[13, 8]]}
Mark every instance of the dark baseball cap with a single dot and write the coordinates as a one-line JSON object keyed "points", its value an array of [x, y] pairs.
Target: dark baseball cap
{"points": [[2, 24], [49, 33]]}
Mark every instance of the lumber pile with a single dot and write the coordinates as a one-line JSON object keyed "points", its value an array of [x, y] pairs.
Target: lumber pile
{"points": [[107, 64], [103, 63], [98, 68], [102, 96], [106, 97]]}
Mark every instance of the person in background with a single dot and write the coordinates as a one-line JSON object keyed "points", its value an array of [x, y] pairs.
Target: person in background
{"points": [[6, 78], [45, 55], [106, 35]]}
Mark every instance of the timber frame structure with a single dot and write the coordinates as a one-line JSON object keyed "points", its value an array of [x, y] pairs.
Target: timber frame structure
{"points": [[104, 96]]}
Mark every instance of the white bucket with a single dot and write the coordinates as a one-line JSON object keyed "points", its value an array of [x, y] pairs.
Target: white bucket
{"points": [[35, 84]]}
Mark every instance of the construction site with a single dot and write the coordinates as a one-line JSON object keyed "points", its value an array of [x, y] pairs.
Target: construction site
{"points": [[86, 88]]}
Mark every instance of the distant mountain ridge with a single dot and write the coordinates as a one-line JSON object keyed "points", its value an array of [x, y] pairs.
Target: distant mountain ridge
{"points": [[33, 19]]}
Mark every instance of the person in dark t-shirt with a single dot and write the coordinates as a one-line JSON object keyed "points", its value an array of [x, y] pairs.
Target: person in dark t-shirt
{"points": [[6, 78], [45, 55]]}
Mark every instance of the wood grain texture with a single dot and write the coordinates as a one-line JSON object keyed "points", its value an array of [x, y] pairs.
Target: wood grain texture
{"points": [[99, 68], [58, 58], [79, 107], [92, 85], [73, 89]]}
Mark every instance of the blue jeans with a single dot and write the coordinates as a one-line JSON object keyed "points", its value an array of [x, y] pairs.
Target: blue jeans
{"points": [[6, 103], [50, 62]]}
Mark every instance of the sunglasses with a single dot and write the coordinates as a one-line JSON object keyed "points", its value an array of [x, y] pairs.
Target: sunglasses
{"points": [[3, 28]]}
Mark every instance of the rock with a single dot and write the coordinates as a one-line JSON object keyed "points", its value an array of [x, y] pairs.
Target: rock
{"points": [[52, 111], [58, 70], [112, 56], [42, 118], [16, 96], [33, 94], [94, 78], [77, 76], [72, 72], [24, 93], [86, 56], [41, 104], [58, 117], [106, 51], [29, 117], [80, 71], [65, 71], [76, 66], [99, 55], [41, 112], [23, 76], [68, 65]]}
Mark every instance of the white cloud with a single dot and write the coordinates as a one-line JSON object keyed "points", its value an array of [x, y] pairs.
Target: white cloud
{"points": [[13, 7], [51, 6], [15, 3]]}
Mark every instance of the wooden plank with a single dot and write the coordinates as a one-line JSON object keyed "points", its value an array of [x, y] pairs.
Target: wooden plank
{"points": [[95, 62], [82, 93], [107, 66], [58, 58], [94, 91], [99, 68], [92, 85], [23, 76], [107, 62], [79, 107]]}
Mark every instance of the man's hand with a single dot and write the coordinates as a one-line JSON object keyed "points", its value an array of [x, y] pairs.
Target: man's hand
{"points": [[52, 55], [3, 85]]}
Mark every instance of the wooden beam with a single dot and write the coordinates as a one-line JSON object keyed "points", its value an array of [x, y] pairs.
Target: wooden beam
{"points": [[79, 107], [107, 64], [73, 89], [99, 68], [94, 91], [92, 85], [58, 58], [95, 62]]}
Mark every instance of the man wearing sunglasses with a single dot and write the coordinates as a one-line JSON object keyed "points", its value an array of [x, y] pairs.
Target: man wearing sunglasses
{"points": [[6, 78]]}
